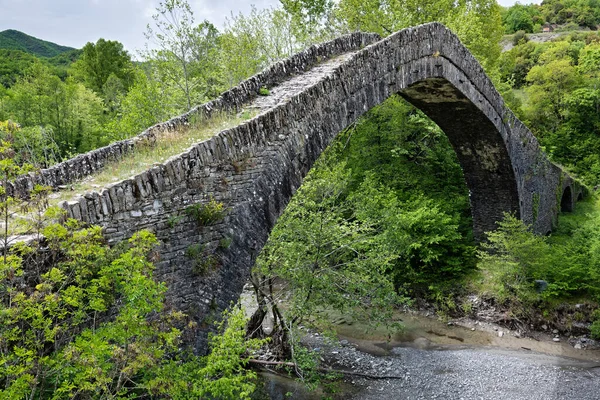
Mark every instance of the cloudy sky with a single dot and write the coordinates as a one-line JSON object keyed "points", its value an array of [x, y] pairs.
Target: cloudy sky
{"points": [[76, 22]]}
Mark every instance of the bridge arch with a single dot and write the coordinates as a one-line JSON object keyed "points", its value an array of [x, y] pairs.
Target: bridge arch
{"points": [[255, 168], [566, 201]]}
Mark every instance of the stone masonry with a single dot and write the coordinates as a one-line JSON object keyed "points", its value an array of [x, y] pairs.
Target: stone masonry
{"points": [[255, 168]]}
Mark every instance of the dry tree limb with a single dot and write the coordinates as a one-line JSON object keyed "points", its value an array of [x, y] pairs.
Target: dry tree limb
{"points": [[266, 364]]}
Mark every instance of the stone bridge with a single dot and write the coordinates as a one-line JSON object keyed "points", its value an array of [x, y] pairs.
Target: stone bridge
{"points": [[255, 168]]}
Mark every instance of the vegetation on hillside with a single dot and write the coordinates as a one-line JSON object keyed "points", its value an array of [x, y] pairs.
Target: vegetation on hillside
{"points": [[557, 84], [554, 14], [14, 40]]}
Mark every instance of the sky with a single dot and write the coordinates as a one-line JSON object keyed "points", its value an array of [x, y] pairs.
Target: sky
{"points": [[75, 22]]}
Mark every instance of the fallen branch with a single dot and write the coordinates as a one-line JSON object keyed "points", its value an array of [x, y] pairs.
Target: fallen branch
{"points": [[265, 364]]}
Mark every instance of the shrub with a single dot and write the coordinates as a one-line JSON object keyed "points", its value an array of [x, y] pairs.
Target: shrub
{"points": [[595, 328], [207, 214], [520, 37]]}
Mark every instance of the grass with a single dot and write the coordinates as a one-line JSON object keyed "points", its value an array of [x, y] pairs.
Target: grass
{"points": [[147, 155]]}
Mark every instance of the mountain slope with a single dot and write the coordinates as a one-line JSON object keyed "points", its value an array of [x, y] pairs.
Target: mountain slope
{"points": [[15, 40]]}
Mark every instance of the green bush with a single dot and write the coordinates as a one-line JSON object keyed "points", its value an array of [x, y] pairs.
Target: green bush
{"points": [[203, 260], [94, 327], [207, 214], [569, 261]]}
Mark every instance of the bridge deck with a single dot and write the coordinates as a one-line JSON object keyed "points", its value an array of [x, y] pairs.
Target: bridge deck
{"points": [[299, 83]]}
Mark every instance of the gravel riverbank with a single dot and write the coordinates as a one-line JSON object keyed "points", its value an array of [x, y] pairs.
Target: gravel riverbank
{"points": [[461, 373]]}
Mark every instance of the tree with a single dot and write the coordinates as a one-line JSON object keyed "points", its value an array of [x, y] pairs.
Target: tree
{"points": [[250, 43], [549, 83], [148, 102], [99, 61], [476, 22], [69, 112], [181, 49], [325, 257], [520, 18]]}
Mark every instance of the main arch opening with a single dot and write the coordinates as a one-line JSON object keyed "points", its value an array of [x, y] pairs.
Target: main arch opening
{"points": [[480, 149]]}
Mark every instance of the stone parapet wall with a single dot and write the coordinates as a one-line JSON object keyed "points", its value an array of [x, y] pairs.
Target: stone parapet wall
{"points": [[86, 164]]}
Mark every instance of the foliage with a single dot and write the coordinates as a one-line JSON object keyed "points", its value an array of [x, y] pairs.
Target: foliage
{"points": [[519, 37], [222, 374], [66, 109], [562, 14], [184, 52], [250, 43], [514, 258], [595, 328], [557, 82], [91, 324], [147, 103], [325, 258], [9, 170], [511, 259], [101, 60], [407, 181], [203, 259], [521, 17], [32, 145], [476, 22], [207, 213], [13, 63]]}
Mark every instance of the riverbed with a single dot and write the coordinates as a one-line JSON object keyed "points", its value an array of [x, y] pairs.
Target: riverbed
{"points": [[430, 359]]}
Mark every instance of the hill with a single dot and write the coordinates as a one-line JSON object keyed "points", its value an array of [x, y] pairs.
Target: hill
{"points": [[14, 40]]}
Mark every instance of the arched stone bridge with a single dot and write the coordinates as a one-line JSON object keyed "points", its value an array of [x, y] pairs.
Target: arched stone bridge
{"points": [[255, 168]]}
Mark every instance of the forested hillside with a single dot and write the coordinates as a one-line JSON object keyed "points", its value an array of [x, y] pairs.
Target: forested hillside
{"points": [[556, 88], [14, 40], [382, 220], [562, 15]]}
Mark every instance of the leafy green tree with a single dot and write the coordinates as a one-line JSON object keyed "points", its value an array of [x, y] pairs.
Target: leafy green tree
{"points": [[220, 375], [511, 259], [182, 52], [101, 60], [71, 112], [312, 20], [148, 102], [476, 22], [250, 43], [520, 17], [32, 145], [549, 83], [326, 257]]}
